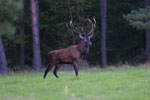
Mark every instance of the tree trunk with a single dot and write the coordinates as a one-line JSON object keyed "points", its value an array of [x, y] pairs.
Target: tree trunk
{"points": [[37, 63], [3, 62], [147, 46], [147, 3], [21, 48], [103, 33]]}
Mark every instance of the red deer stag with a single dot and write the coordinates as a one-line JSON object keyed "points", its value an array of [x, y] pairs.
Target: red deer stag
{"points": [[73, 53]]}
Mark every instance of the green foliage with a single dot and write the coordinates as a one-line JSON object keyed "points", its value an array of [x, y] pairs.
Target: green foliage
{"points": [[9, 10], [139, 18], [92, 84], [17, 68], [124, 43]]}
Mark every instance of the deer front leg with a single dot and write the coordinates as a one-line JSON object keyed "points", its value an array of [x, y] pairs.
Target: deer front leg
{"points": [[55, 70], [75, 65]]}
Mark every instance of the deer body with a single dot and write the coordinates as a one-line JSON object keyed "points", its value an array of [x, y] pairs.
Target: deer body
{"points": [[69, 55], [65, 55]]}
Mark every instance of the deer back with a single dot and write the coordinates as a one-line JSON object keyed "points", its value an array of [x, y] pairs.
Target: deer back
{"points": [[66, 54]]}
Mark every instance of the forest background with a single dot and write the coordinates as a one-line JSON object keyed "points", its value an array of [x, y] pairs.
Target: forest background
{"points": [[125, 44]]}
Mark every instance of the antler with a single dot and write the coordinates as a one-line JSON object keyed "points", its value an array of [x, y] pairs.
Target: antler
{"points": [[90, 34], [93, 26], [74, 29]]}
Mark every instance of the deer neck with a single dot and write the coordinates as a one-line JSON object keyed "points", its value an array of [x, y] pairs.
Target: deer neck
{"points": [[82, 47]]}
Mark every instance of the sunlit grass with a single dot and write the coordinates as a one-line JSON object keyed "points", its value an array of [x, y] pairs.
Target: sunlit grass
{"points": [[92, 84]]}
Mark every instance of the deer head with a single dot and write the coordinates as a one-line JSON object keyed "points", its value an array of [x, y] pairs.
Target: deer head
{"points": [[85, 37]]}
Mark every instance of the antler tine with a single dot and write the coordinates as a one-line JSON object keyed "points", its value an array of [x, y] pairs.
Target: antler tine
{"points": [[94, 21], [73, 28], [93, 25]]}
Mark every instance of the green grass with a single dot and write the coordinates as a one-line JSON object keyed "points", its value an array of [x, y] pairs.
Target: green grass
{"points": [[93, 84]]}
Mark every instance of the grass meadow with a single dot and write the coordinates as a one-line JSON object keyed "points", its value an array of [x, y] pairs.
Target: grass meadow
{"points": [[131, 83]]}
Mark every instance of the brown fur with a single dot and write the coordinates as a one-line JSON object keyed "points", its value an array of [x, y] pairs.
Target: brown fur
{"points": [[69, 55]]}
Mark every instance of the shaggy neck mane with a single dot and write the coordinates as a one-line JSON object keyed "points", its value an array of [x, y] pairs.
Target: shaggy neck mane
{"points": [[82, 47]]}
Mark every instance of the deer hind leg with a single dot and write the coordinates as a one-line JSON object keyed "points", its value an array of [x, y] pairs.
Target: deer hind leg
{"points": [[50, 66], [55, 70], [75, 65]]}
